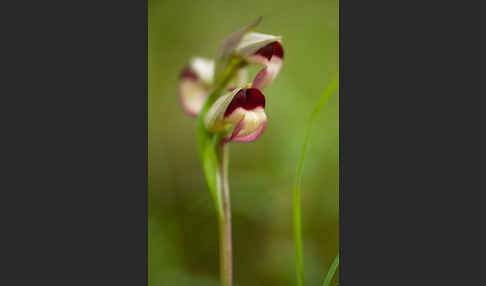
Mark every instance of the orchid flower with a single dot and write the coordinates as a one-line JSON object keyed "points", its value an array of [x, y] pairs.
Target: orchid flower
{"points": [[262, 49], [196, 80], [240, 114]]}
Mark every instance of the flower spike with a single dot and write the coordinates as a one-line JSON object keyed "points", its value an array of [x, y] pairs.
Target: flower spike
{"points": [[229, 108], [240, 114], [196, 80]]}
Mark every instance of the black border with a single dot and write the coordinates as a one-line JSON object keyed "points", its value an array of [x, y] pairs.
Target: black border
{"points": [[74, 191], [406, 184]]}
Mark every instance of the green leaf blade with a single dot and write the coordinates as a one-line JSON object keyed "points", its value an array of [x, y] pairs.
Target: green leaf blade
{"points": [[207, 147], [297, 209], [332, 270]]}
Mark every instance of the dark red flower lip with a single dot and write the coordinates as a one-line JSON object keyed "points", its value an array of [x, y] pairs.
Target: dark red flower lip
{"points": [[270, 50], [247, 99]]}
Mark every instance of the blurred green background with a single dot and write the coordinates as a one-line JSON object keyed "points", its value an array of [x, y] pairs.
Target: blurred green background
{"points": [[183, 239]]}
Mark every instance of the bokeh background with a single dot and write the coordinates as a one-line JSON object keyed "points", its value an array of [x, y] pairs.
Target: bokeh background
{"points": [[183, 239]]}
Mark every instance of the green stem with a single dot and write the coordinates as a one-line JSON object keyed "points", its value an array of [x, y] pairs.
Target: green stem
{"points": [[225, 245], [215, 165], [332, 270], [297, 212]]}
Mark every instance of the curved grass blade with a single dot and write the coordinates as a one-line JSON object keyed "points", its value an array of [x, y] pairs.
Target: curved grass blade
{"points": [[298, 180], [332, 270]]}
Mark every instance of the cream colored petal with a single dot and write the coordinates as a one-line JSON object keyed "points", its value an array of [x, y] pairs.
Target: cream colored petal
{"points": [[192, 96], [241, 78], [252, 42], [252, 121], [235, 116], [204, 69]]}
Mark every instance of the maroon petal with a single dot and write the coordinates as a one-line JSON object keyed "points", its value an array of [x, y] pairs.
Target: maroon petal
{"points": [[188, 73], [247, 99], [271, 50]]}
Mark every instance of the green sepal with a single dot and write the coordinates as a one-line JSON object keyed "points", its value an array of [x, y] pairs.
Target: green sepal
{"points": [[228, 46]]}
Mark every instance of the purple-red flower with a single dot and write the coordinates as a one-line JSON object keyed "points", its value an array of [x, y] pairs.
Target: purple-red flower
{"points": [[265, 50], [196, 81], [240, 114]]}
